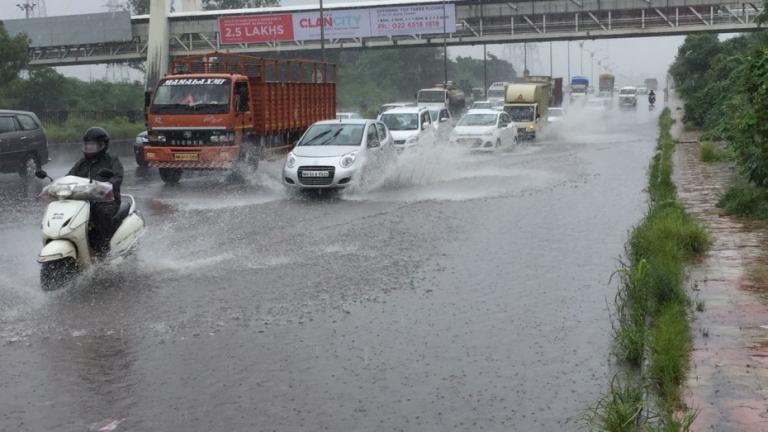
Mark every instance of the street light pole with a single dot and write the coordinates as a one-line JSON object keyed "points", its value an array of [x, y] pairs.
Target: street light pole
{"points": [[322, 33], [569, 61], [550, 59], [445, 47]]}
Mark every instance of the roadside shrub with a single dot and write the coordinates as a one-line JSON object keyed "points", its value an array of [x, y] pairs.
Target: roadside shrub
{"points": [[745, 200], [671, 341], [709, 152], [621, 410], [72, 130]]}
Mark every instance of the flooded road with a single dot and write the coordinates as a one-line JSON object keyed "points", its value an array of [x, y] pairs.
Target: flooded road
{"points": [[460, 292]]}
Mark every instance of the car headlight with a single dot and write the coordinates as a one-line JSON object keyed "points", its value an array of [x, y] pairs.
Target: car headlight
{"points": [[348, 159], [291, 161], [412, 139], [488, 133]]}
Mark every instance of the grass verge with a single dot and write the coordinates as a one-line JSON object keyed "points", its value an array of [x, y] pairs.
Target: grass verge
{"points": [[746, 200], [72, 130], [651, 323], [709, 152]]}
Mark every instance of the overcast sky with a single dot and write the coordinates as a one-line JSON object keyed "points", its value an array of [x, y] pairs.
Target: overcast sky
{"points": [[629, 59]]}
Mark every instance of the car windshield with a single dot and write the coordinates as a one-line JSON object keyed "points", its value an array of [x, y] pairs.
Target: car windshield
{"points": [[520, 113], [401, 121], [336, 134], [481, 105], [627, 91], [192, 96], [431, 96], [555, 113], [478, 120]]}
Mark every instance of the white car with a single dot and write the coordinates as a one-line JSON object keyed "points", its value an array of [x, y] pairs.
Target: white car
{"points": [[555, 114], [628, 97], [497, 104], [388, 106], [485, 130], [409, 126], [336, 153], [442, 120]]}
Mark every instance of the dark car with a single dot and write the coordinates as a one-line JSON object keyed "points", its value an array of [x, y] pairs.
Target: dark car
{"points": [[138, 148], [23, 144]]}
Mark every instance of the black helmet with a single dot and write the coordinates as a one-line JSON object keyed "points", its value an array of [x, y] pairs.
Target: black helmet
{"points": [[95, 141]]}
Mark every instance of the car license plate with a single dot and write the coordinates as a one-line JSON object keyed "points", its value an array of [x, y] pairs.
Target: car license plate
{"points": [[315, 174], [186, 156]]}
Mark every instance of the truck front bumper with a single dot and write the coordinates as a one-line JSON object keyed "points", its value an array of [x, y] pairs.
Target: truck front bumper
{"points": [[220, 157]]}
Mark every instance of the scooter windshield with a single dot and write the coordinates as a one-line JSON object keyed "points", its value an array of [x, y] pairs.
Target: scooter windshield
{"points": [[78, 188]]}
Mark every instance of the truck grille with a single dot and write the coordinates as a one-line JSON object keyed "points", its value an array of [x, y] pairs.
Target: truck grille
{"points": [[190, 138], [316, 181]]}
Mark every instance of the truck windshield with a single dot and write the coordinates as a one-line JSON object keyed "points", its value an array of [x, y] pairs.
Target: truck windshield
{"points": [[192, 96], [630, 92], [404, 121], [520, 113], [336, 134], [478, 120], [432, 96]]}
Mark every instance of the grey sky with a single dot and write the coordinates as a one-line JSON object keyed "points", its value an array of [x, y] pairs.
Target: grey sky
{"points": [[630, 59]]}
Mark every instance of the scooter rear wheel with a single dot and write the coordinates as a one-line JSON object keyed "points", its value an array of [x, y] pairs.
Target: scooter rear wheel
{"points": [[57, 274]]}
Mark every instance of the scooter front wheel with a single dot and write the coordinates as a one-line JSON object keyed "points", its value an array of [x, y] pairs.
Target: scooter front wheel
{"points": [[57, 274]]}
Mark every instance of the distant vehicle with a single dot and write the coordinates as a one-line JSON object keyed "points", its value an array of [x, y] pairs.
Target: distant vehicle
{"points": [[496, 104], [409, 126], [579, 85], [442, 120], [652, 84], [641, 90], [442, 95], [555, 115], [527, 105], [485, 130], [335, 154], [347, 115], [388, 106], [478, 93], [138, 148], [496, 91], [23, 144], [628, 97], [605, 85]]}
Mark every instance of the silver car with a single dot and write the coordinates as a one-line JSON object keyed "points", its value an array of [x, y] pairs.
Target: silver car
{"points": [[336, 153]]}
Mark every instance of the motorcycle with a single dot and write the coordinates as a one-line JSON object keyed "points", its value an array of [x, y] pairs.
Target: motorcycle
{"points": [[66, 251]]}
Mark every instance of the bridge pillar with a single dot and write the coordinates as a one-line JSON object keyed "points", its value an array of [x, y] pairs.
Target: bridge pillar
{"points": [[191, 5], [157, 44]]}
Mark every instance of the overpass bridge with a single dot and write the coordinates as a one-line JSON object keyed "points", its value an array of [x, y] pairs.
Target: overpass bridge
{"points": [[126, 38]]}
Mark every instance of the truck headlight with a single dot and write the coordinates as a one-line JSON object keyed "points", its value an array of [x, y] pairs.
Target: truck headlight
{"points": [[531, 126], [291, 161], [348, 159], [160, 138]]}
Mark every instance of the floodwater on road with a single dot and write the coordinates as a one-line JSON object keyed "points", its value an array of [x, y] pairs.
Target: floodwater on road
{"points": [[458, 292]]}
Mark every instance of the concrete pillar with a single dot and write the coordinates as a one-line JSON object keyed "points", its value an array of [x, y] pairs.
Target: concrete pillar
{"points": [[157, 47]]}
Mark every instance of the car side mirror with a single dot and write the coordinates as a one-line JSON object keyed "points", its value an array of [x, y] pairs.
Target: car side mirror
{"points": [[41, 174], [444, 119]]}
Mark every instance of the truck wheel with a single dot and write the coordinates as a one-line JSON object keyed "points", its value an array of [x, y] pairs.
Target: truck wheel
{"points": [[29, 164], [57, 274], [140, 161], [170, 175]]}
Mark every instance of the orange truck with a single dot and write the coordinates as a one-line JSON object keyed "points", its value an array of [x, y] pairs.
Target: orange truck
{"points": [[222, 111]]}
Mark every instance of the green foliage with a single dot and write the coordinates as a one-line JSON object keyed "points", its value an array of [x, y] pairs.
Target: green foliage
{"points": [[13, 55], [621, 410], [671, 342], [72, 130], [138, 7], [709, 152], [745, 200]]}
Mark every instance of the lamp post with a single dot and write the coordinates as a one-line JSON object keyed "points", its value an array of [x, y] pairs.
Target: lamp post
{"points": [[445, 47], [322, 33]]}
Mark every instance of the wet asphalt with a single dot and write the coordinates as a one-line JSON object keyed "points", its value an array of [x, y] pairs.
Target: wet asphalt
{"points": [[460, 291]]}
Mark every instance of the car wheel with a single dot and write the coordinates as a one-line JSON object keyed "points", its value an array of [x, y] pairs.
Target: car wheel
{"points": [[29, 165], [140, 161], [170, 176]]}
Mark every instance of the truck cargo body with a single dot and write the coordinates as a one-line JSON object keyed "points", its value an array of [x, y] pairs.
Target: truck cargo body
{"points": [[218, 110], [579, 85], [527, 104], [606, 85]]}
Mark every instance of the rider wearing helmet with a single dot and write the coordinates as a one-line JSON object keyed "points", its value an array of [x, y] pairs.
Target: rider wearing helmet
{"points": [[98, 164], [652, 97]]}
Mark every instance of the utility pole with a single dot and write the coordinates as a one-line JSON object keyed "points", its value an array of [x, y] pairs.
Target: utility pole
{"points": [[550, 59], [568, 78], [525, 59], [581, 57], [485, 71], [322, 33], [445, 46]]}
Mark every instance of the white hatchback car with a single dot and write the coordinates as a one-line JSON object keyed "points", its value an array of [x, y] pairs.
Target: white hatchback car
{"points": [[336, 153], [485, 130], [409, 126]]}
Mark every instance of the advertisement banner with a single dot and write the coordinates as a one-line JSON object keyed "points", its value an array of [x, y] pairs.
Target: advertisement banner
{"points": [[255, 28], [413, 20], [352, 23], [339, 24]]}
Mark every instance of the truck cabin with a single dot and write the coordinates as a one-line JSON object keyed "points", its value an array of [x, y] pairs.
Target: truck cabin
{"points": [[187, 94], [522, 113]]}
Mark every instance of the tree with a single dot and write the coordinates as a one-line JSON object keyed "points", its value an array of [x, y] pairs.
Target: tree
{"points": [[238, 4], [13, 55], [138, 7]]}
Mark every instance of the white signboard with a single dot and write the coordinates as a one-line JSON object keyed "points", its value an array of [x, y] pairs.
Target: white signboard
{"points": [[351, 23], [413, 20]]}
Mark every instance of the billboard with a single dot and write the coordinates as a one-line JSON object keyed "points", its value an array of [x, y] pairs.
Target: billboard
{"points": [[339, 24], [255, 28]]}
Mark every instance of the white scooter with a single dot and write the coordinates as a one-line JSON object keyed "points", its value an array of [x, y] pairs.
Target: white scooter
{"points": [[66, 251]]}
